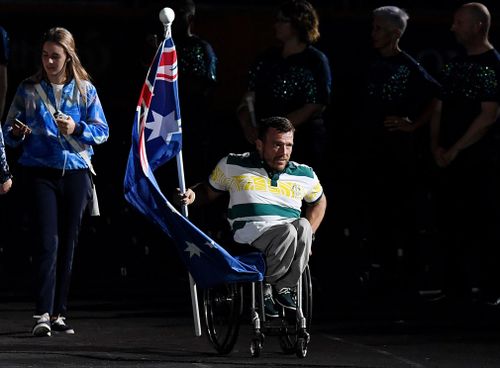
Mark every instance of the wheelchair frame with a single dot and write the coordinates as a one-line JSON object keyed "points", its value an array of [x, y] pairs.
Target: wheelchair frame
{"points": [[223, 308]]}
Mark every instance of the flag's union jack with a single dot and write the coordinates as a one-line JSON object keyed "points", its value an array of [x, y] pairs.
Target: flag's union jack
{"points": [[158, 109]]}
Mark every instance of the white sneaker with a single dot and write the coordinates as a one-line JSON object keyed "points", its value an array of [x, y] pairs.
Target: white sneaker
{"points": [[58, 325], [42, 325]]}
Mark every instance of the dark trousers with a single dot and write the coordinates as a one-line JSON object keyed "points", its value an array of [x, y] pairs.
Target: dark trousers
{"points": [[58, 202], [467, 204], [388, 184]]}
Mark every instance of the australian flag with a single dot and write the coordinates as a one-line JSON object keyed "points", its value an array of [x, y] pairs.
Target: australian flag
{"points": [[157, 138]]}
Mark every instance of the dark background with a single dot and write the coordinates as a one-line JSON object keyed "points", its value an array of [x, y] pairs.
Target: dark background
{"points": [[121, 249]]}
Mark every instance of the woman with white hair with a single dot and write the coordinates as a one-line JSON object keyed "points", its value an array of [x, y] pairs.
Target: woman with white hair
{"points": [[397, 98]]}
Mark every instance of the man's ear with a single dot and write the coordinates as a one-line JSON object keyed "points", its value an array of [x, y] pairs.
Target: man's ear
{"points": [[259, 145], [397, 34]]}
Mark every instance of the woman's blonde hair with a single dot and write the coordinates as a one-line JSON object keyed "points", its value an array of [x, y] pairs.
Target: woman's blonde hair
{"points": [[74, 68]]}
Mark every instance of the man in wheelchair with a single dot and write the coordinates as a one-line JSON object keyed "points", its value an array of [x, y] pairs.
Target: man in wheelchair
{"points": [[266, 192]]}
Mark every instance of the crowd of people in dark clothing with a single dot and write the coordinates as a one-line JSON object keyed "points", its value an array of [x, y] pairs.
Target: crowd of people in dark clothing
{"points": [[424, 148], [451, 169]]}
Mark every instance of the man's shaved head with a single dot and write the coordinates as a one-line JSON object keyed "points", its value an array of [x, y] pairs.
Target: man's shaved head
{"points": [[479, 13]]}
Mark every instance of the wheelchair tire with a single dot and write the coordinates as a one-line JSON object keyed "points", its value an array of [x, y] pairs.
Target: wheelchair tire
{"points": [[223, 306], [256, 345], [301, 350], [290, 335]]}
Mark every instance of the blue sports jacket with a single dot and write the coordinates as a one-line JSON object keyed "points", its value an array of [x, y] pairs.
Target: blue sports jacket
{"points": [[45, 146]]}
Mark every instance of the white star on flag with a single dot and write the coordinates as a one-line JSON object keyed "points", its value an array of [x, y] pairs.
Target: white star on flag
{"points": [[163, 126], [192, 249]]}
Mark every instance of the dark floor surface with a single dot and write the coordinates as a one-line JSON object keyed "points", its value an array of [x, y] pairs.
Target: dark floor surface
{"points": [[127, 324]]}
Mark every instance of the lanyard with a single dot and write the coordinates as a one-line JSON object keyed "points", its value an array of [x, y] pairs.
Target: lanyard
{"points": [[77, 146]]}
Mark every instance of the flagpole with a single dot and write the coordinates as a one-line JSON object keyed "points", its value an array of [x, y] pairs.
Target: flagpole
{"points": [[167, 16], [192, 284]]}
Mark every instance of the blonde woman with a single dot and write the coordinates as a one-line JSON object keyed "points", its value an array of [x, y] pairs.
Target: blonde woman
{"points": [[53, 113]]}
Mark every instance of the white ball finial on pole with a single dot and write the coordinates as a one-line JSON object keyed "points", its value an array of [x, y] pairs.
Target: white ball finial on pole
{"points": [[167, 16]]}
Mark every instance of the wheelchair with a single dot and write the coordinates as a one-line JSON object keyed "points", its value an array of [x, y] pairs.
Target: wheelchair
{"points": [[223, 308]]}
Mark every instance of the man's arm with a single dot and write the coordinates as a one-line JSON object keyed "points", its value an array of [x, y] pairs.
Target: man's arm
{"points": [[247, 121], [202, 193], [435, 128], [476, 131], [306, 112], [316, 212], [404, 124]]}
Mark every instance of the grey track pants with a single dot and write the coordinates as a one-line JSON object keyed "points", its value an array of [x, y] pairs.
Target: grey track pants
{"points": [[286, 248]]}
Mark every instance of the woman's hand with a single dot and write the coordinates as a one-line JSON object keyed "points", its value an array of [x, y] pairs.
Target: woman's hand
{"points": [[66, 124], [450, 155], [398, 123], [5, 187], [19, 129], [439, 156]]}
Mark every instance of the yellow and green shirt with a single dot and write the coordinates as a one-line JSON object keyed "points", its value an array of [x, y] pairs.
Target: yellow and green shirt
{"points": [[260, 199]]}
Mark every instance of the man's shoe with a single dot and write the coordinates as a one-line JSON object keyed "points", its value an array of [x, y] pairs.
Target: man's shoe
{"points": [[270, 307], [42, 325], [493, 302], [58, 325], [286, 298], [490, 300], [432, 295]]}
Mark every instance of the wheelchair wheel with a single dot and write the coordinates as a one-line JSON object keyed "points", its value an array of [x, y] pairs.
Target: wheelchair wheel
{"points": [[291, 338], [223, 306]]}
